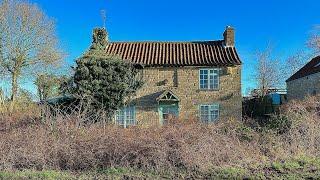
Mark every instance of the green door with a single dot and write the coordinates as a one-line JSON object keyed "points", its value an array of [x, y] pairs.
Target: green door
{"points": [[168, 111]]}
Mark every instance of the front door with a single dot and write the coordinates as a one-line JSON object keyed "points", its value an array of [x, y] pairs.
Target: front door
{"points": [[168, 111]]}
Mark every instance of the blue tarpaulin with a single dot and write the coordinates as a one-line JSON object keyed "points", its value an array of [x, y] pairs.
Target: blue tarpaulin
{"points": [[276, 98]]}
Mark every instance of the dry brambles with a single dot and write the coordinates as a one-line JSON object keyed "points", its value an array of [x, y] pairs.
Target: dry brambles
{"points": [[63, 144]]}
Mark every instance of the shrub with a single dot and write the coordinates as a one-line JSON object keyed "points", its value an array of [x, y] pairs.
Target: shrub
{"points": [[105, 83], [245, 133], [183, 148], [69, 147], [279, 123]]}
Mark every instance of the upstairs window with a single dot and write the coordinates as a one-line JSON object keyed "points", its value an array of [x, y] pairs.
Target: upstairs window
{"points": [[209, 79], [126, 117], [209, 113]]}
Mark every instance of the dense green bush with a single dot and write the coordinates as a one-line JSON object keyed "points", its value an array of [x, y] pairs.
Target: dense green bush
{"points": [[105, 83]]}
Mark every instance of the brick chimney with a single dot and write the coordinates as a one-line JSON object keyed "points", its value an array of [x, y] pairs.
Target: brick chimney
{"points": [[229, 36], [99, 39]]}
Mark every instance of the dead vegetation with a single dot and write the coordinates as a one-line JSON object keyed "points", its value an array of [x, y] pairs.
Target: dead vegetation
{"points": [[63, 144]]}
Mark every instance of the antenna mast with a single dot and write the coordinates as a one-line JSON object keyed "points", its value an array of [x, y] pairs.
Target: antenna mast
{"points": [[103, 17]]}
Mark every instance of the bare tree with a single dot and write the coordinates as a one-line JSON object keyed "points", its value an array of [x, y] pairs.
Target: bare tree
{"points": [[49, 85], [314, 40], [2, 97], [27, 41], [267, 72], [294, 63]]}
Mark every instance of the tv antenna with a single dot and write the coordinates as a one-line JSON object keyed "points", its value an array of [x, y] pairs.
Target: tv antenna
{"points": [[103, 17]]}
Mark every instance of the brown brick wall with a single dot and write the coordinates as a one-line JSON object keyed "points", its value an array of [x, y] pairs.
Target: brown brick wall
{"points": [[184, 82]]}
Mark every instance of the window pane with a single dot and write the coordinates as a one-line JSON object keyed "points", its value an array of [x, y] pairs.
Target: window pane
{"points": [[201, 109], [130, 116], [211, 83], [120, 117], [213, 115], [201, 84], [215, 85], [216, 81], [205, 109], [204, 118], [204, 112], [205, 84], [214, 112], [203, 79]]}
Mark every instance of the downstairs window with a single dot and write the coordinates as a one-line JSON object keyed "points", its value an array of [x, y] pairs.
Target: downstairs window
{"points": [[209, 113], [126, 116]]}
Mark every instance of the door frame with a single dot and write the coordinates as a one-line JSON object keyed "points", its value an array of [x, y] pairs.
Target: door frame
{"points": [[161, 105]]}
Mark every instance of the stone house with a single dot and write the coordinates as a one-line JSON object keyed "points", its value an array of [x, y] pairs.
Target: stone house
{"points": [[186, 80], [306, 81]]}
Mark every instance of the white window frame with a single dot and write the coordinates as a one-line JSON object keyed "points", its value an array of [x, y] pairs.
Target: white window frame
{"points": [[213, 113], [129, 116], [211, 85]]}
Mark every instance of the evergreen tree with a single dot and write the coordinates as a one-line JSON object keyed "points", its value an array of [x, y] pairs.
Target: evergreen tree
{"points": [[105, 82]]}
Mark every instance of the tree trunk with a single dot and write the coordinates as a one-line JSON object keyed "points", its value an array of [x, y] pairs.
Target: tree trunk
{"points": [[14, 87]]}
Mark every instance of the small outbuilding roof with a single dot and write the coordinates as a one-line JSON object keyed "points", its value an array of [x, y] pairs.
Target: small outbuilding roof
{"points": [[310, 68]]}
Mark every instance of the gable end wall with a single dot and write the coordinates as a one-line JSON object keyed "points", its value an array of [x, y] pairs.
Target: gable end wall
{"points": [[302, 87]]}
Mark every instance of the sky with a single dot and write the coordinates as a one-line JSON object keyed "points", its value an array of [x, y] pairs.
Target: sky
{"points": [[286, 24]]}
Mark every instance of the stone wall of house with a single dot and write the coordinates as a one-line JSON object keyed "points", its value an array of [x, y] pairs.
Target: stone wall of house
{"points": [[184, 83], [300, 88]]}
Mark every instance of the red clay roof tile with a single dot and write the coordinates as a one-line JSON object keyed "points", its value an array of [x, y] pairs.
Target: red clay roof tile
{"points": [[206, 53]]}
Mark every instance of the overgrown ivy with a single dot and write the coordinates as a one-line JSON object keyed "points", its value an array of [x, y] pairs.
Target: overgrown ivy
{"points": [[105, 82]]}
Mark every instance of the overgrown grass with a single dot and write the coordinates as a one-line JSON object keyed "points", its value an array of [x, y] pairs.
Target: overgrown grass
{"points": [[296, 168], [28, 174], [228, 149]]}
